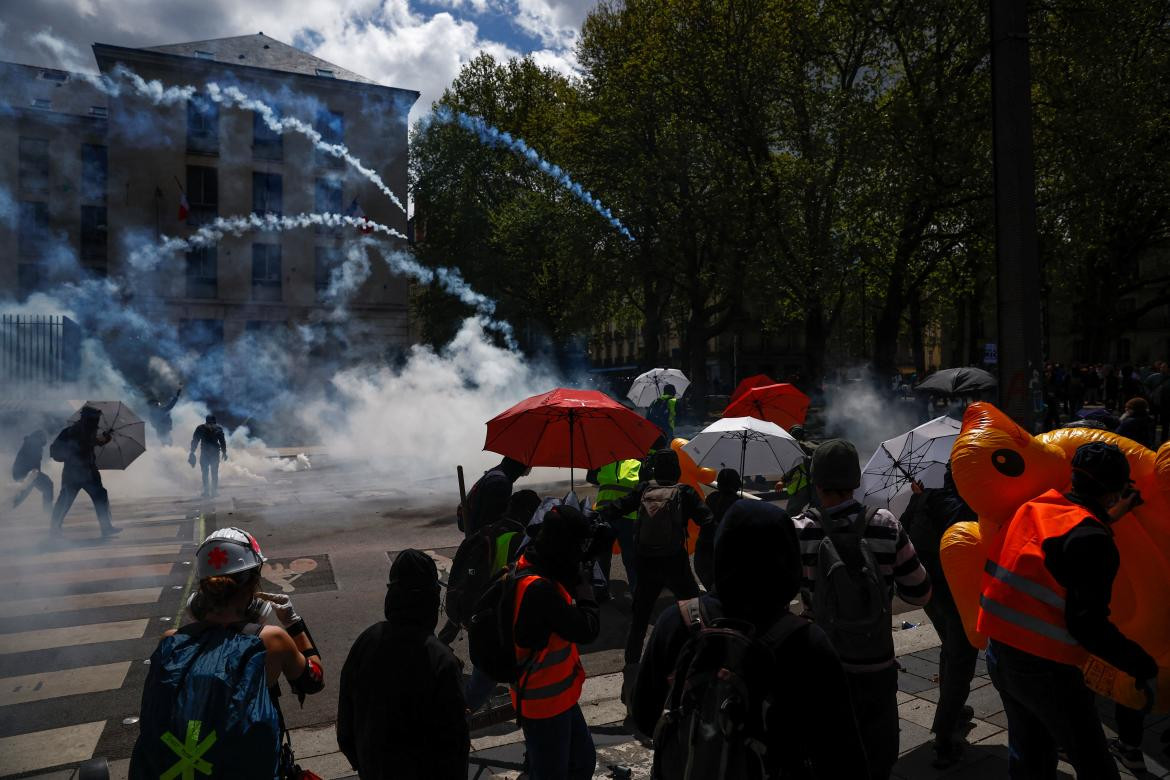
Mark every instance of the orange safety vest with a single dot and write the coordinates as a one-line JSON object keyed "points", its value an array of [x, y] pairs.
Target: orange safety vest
{"points": [[551, 677], [1022, 604]]}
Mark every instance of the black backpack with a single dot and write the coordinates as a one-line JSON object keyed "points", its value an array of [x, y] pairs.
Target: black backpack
{"points": [[850, 599], [472, 568], [661, 530], [715, 724], [490, 639], [659, 414]]}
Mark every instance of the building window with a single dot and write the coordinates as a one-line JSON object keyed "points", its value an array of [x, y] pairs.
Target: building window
{"points": [[202, 194], [325, 72], [202, 126], [327, 200], [328, 259], [58, 76], [99, 112], [45, 103], [331, 126], [94, 173], [202, 273], [267, 196], [266, 272], [204, 55], [34, 165], [93, 236], [267, 144], [33, 229]]}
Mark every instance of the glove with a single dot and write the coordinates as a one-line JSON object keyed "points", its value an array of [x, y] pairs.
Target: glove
{"points": [[191, 459], [264, 613], [225, 457], [282, 607]]}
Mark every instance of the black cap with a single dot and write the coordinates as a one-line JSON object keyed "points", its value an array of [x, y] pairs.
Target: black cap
{"points": [[835, 466], [1098, 468], [728, 481], [669, 390]]}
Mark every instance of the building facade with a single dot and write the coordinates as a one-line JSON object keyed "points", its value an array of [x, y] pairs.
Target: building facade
{"points": [[101, 175]]}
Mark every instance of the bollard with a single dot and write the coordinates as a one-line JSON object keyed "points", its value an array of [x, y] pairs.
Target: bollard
{"points": [[94, 769]]}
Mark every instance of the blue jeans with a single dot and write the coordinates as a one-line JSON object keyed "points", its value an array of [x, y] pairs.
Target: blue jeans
{"points": [[560, 748], [479, 690], [1047, 707]]}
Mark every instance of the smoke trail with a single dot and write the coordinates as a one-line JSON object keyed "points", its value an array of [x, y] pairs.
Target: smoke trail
{"points": [[234, 97], [399, 262], [492, 136]]}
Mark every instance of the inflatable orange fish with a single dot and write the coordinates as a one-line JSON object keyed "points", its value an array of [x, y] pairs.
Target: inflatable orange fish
{"points": [[999, 466]]}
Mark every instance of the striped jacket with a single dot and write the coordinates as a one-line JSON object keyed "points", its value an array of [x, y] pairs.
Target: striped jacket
{"points": [[893, 549]]}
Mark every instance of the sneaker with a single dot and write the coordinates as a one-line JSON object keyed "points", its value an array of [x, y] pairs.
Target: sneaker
{"points": [[967, 714], [1130, 756], [111, 531], [946, 755]]}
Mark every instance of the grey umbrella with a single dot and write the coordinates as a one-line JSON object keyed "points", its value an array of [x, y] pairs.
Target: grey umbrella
{"points": [[127, 434], [957, 381]]}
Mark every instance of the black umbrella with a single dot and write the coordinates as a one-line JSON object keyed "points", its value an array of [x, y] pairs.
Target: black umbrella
{"points": [[958, 381]]}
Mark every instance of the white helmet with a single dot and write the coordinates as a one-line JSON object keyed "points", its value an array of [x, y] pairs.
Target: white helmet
{"points": [[227, 551]]}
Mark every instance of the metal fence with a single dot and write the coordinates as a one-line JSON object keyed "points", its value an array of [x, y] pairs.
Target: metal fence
{"points": [[40, 348]]}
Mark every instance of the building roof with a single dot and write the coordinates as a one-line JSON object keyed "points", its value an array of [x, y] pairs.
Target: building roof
{"points": [[53, 91], [261, 51]]}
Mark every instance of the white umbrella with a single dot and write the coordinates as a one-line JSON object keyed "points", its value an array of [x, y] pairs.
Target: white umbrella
{"points": [[648, 386], [755, 446], [919, 455], [127, 434]]}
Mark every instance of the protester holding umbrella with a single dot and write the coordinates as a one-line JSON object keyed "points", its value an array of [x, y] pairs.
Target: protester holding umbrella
{"points": [[75, 447], [649, 386]]}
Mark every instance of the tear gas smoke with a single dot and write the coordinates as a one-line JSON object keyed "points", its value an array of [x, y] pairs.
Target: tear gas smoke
{"points": [[492, 136], [121, 78], [856, 411]]}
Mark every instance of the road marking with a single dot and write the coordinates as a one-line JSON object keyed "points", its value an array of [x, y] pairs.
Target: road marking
{"points": [[79, 531], [87, 554], [111, 598], [52, 747], [67, 682], [47, 638], [77, 576]]}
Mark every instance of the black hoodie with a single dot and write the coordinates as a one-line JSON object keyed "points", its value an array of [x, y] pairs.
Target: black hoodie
{"points": [[757, 574], [400, 706]]}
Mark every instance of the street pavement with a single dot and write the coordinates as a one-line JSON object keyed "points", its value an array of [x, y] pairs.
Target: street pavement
{"points": [[79, 617]]}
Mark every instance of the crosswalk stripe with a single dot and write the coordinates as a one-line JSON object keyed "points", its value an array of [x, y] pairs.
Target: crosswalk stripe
{"points": [[52, 747], [47, 638], [41, 521], [90, 530], [74, 576], [110, 598], [66, 682], [88, 553]]}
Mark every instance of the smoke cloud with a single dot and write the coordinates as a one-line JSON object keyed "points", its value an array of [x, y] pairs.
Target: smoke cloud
{"points": [[492, 136]]}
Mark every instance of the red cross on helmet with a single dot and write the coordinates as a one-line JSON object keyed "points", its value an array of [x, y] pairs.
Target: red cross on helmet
{"points": [[227, 551]]}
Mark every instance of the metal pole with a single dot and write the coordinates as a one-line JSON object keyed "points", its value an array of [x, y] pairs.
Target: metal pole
{"points": [[1016, 253]]}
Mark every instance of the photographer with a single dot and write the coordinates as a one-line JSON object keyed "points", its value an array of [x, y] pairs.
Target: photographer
{"points": [[1045, 609], [549, 624], [660, 547]]}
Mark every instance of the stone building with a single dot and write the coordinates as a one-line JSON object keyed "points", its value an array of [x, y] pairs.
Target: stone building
{"points": [[98, 175]]}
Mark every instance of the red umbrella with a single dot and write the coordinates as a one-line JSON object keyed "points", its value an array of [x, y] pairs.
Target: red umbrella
{"points": [[569, 428], [782, 404], [759, 380]]}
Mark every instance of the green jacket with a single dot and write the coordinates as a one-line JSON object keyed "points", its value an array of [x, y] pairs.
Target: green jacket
{"points": [[616, 480]]}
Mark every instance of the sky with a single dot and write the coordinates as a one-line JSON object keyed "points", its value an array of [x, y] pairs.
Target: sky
{"points": [[410, 44]]}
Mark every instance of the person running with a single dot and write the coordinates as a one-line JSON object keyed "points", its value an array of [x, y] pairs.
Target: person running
{"points": [[206, 702], [844, 529], [212, 448], [75, 447], [664, 506], [1045, 610], [810, 728], [555, 612], [400, 707], [929, 514], [26, 470]]}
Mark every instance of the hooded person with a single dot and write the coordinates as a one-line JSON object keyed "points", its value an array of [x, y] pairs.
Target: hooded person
{"points": [[400, 707], [757, 572], [488, 497], [75, 447], [728, 484], [555, 612], [660, 547]]}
